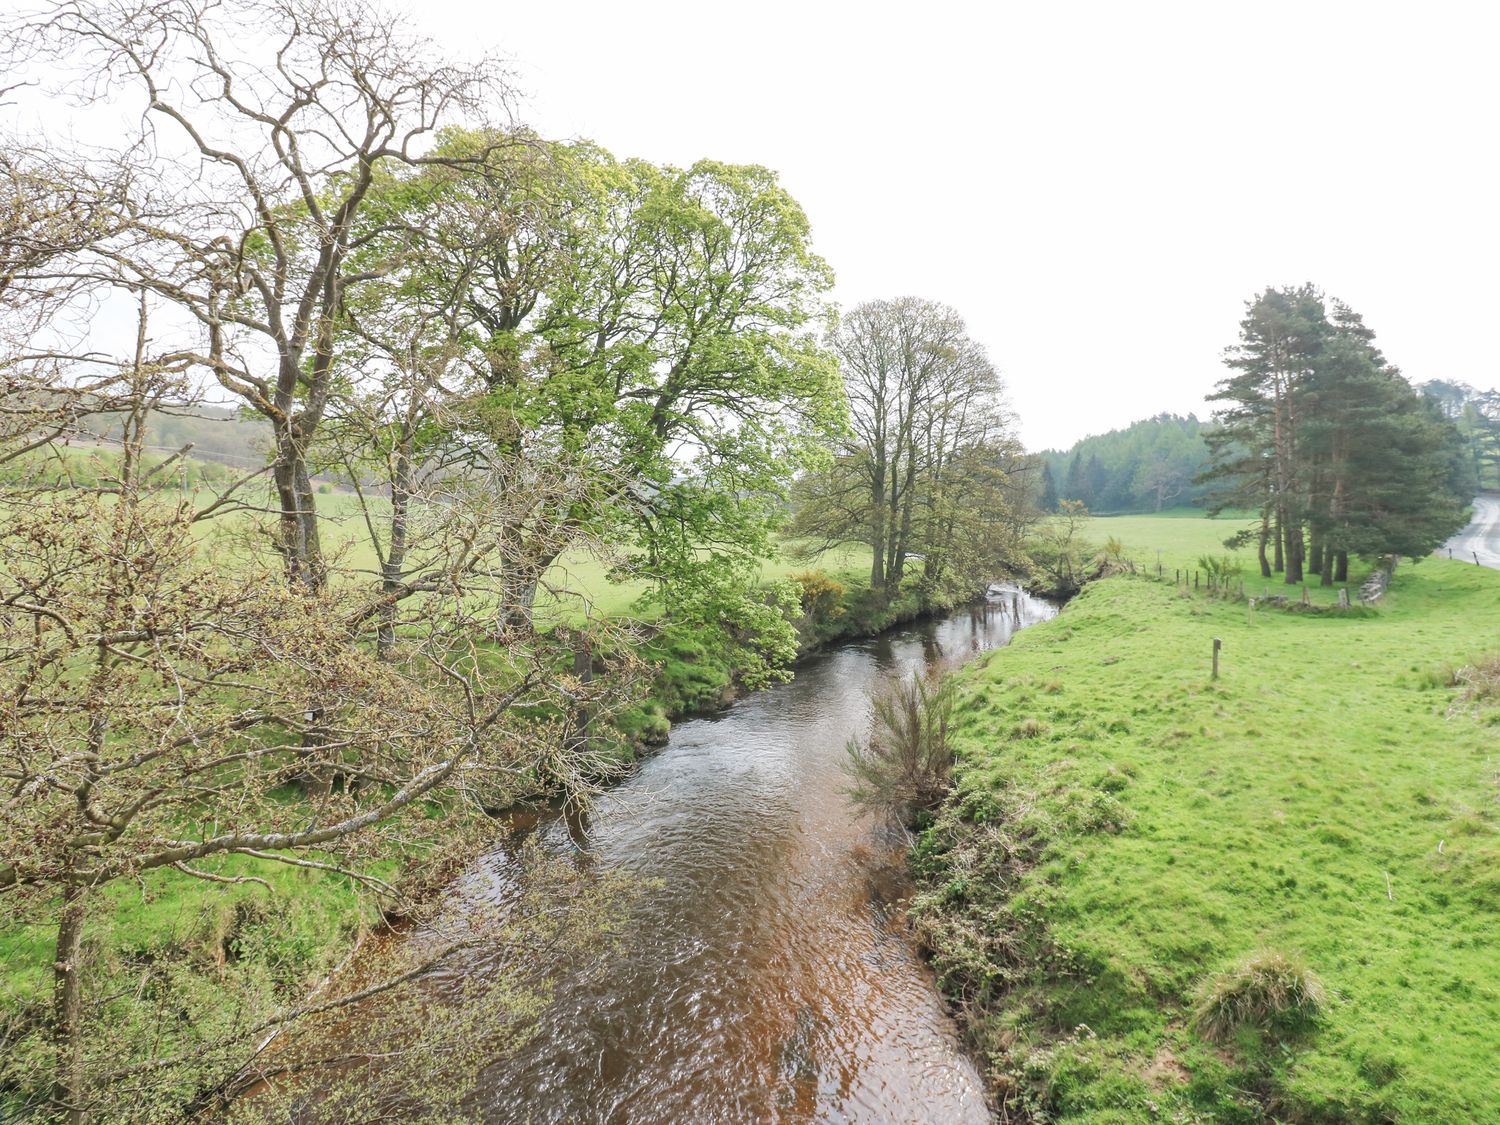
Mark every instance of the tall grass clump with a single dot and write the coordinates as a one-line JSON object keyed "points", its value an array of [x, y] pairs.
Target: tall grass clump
{"points": [[1478, 683], [1267, 990], [904, 767]]}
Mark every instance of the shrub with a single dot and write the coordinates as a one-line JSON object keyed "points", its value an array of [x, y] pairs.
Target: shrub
{"points": [[1221, 568], [1267, 989], [1479, 683], [821, 595], [905, 766]]}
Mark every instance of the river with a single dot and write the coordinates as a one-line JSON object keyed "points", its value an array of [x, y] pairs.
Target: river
{"points": [[765, 976]]}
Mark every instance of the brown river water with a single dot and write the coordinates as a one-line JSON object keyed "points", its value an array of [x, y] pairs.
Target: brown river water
{"points": [[765, 975]]}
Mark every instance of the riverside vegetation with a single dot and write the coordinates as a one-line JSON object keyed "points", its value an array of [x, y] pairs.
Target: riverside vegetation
{"points": [[1159, 892], [524, 420]]}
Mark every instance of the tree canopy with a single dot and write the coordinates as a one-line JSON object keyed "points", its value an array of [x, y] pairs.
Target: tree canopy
{"points": [[930, 470]]}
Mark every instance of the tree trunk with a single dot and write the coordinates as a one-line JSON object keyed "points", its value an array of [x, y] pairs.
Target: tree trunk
{"points": [[895, 553], [299, 517], [1341, 570], [877, 532], [902, 544], [1265, 534], [392, 571], [583, 670], [1280, 556], [520, 598], [67, 1010]]}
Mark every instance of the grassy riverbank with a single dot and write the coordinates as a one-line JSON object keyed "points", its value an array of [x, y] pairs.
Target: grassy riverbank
{"points": [[1125, 829]]}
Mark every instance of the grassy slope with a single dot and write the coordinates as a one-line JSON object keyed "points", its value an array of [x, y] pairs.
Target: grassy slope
{"points": [[1264, 811]]}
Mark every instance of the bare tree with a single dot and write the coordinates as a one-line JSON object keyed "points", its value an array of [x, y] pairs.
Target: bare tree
{"points": [[154, 700], [52, 211], [930, 447], [265, 148]]}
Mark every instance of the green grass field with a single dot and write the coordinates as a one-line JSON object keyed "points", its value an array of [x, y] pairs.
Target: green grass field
{"points": [[579, 583], [1320, 799], [1179, 538]]}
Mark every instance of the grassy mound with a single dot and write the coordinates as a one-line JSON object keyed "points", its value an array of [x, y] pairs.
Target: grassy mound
{"points": [[1271, 897]]}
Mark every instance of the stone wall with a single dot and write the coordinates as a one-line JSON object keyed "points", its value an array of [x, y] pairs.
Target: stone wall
{"points": [[1378, 583]]}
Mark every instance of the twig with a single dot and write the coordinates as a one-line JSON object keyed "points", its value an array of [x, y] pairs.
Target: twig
{"points": [[212, 878]]}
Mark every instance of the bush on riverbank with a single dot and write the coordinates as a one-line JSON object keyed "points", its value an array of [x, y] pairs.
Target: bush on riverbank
{"points": [[1091, 881], [903, 767], [702, 666], [227, 956]]}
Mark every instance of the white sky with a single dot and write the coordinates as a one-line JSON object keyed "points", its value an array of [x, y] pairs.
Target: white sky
{"points": [[1097, 187]]}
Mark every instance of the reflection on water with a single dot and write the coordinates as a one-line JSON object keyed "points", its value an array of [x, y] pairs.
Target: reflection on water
{"points": [[765, 976]]}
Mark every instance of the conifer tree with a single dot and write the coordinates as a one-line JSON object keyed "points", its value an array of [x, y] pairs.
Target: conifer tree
{"points": [[1333, 446], [1049, 490]]}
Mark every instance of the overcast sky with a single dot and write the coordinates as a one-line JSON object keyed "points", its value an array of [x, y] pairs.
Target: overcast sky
{"points": [[1096, 187]]}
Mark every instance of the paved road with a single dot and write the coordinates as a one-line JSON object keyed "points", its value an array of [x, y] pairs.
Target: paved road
{"points": [[1481, 538]]}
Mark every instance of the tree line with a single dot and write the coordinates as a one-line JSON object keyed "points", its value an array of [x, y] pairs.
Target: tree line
{"points": [[1147, 466], [1329, 443], [1475, 414]]}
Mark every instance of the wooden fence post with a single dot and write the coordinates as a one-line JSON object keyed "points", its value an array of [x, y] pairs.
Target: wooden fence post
{"points": [[1218, 644]]}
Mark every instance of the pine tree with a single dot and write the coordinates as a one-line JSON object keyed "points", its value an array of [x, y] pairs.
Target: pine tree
{"points": [[1076, 486], [1281, 340], [1049, 490], [1097, 482], [1338, 451]]}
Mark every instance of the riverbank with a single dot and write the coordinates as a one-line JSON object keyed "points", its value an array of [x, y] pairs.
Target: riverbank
{"points": [[767, 973], [1129, 836], [243, 949], [702, 671]]}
